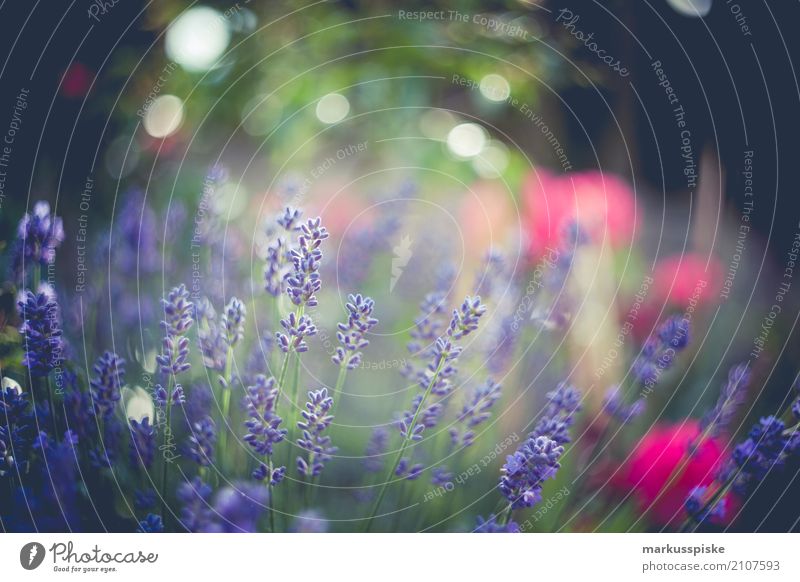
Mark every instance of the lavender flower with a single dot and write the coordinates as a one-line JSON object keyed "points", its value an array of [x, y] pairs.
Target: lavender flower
{"points": [[240, 507], [289, 219], [767, 447], [376, 447], [352, 335], [475, 412], [200, 447], [408, 471], [614, 406], [275, 475], [490, 525], [233, 321], [465, 320], [151, 524], [143, 443], [178, 397], [659, 351], [39, 234], [297, 329], [441, 477], [427, 418], [437, 377], [278, 253], [109, 378], [431, 322], [304, 282], [428, 326], [277, 267], [16, 429], [196, 513], [144, 498], [106, 454], [316, 419], [563, 404], [41, 331], [174, 356], [695, 506], [525, 472], [213, 344], [730, 398], [264, 425], [178, 312]]}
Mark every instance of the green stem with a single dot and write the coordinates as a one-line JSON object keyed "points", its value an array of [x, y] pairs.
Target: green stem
{"points": [[226, 404], [282, 378], [164, 463], [403, 446], [271, 497], [505, 515]]}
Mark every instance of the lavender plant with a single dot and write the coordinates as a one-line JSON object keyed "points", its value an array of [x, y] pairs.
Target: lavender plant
{"points": [[456, 362]]}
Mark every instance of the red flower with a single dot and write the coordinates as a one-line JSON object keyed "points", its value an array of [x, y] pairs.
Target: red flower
{"points": [[602, 204], [662, 455]]}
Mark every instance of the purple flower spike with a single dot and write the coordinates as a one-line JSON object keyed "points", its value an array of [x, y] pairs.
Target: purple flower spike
{"points": [[614, 405], [490, 525], [263, 424], [289, 219], [39, 234], [297, 329], [202, 440], [408, 471], [178, 312], [213, 344], [465, 320], [143, 443], [174, 357], [376, 447], [475, 412], [767, 448], [160, 395], [41, 331], [525, 472], [304, 282], [659, 351], [730, 398], [151, 524], [352, 335], [233, 321], [563, 404], [16, 429], [108, 380], [316, 419]]}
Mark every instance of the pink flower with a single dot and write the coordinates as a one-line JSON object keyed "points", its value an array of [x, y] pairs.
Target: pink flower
{"points": [[680, 279], [679, 282], [662, 455], [602, 204]]}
